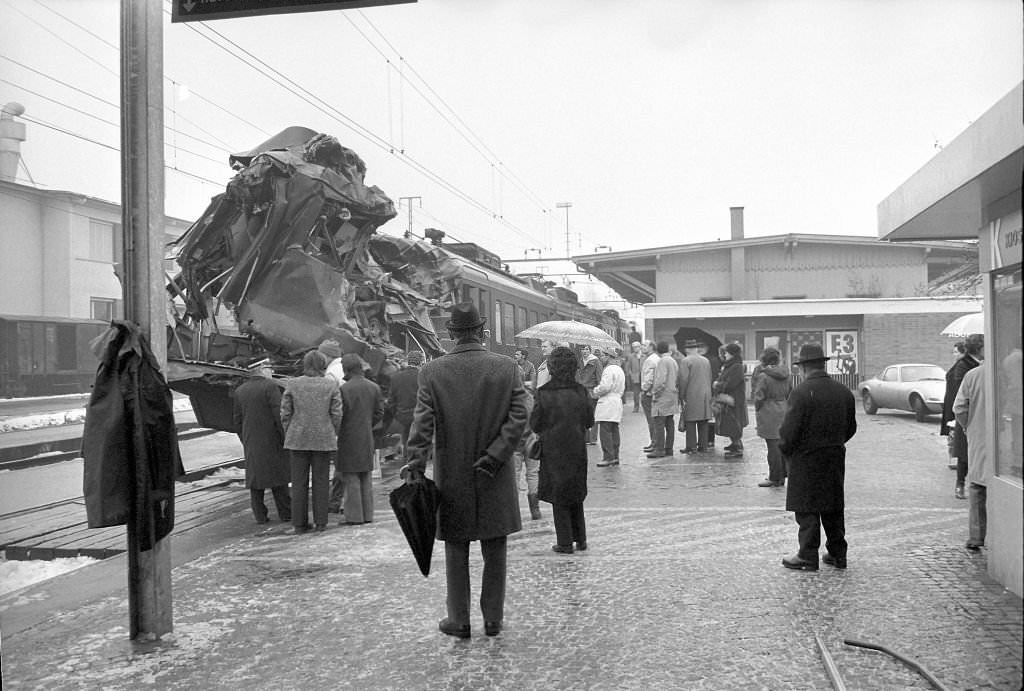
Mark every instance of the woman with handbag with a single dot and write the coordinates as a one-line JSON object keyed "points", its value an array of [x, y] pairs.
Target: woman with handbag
{"points": [[730, 393], [563, 412]]}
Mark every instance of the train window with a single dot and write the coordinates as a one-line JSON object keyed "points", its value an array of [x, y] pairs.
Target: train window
{"points": [[67, 347], [471, 294], [496, 330], [508, 323], [520, 321]]}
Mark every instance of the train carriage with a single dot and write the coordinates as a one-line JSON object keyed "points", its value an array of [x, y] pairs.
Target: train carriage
{"points": [[47, 355]]}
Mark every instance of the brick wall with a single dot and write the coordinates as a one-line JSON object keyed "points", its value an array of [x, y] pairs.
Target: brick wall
{"points": [[893, 338]]}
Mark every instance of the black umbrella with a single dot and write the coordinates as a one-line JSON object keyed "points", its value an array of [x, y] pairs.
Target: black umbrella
{"points": [[686, 333], [415, 507]]}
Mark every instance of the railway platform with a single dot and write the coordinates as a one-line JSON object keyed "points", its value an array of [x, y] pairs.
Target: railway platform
{"points": [[682, 588]]}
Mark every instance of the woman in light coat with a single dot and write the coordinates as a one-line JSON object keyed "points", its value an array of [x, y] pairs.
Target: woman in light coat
{"points": [[608, 413], [770, 389]]}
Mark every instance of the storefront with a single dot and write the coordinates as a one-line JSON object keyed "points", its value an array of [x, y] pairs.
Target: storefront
{"points": [[972, 189]]}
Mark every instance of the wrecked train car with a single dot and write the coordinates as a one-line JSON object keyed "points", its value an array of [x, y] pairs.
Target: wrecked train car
{"points": [[282, 260]]}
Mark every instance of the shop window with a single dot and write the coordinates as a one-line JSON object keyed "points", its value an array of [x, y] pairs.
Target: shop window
{"points": [[1006, 351]]}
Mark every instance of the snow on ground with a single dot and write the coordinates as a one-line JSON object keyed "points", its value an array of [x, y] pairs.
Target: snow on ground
{"points": [[18, 574], [66, 417]]}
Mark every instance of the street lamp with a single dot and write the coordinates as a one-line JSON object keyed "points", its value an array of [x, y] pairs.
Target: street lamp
{"points": [[566, 206]]}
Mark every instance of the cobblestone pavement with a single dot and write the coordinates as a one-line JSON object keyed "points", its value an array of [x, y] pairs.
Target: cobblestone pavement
{"points": [[681, 589]]}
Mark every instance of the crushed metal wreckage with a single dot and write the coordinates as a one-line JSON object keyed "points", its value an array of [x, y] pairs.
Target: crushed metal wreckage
{"points": [[287, 257]]}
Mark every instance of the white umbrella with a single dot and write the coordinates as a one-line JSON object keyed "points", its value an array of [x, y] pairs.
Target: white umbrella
{"points": [[570, 332], [966, 325]]}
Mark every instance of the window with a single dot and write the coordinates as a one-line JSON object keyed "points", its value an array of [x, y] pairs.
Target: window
{"points": [[520, 323], [496, 331], [102, 308], [1006, 355], [67, 347], [101, 241], [891, 374]]}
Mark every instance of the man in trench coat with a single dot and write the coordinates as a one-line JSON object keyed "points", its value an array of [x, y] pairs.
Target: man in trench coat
{"points": [[472, 408], [820, 420], [257, 414], [362, 407]]}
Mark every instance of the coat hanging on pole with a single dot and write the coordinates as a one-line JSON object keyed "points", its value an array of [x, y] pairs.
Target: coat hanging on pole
{"points": [[130, 444]]}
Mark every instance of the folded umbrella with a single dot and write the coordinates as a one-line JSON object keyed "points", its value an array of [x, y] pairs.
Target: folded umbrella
{"points": [[415, 507]]}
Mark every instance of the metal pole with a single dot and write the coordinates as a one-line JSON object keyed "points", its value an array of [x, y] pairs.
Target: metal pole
{"points": [[142, 214]]}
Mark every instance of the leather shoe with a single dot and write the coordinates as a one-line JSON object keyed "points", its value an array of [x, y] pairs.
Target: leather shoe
{"points": [[734, 454], [648, 448], [605, 464], [492, 628], [450, 628], [769, 483], [973, 546], [655, 454], [795, 562], [562, 549], [581, 546], [837, 562], [687, 450]]}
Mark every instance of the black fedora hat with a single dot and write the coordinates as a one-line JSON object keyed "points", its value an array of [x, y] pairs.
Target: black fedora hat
{"points": [[810, 352], [465, 316]]}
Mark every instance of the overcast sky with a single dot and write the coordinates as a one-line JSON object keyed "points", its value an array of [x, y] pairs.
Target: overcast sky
{"points": [[651, 117]]}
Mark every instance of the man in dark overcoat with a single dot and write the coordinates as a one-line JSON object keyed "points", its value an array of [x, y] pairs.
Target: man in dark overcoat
{"points": [[257, 415], [974, 345], [362, 407], [820, 420], [471, 407], [402, 392]]}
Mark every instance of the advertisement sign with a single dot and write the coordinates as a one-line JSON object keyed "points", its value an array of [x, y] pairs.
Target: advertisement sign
{"points": [[841, 346]]}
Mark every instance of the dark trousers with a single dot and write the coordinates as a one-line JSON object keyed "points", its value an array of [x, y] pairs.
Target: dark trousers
{"points": [[696, 434], [809, 534], [358, 504], [664, 434], [609, 432], [570, 525], [645, 401], [961, 460], [492, 586], [636, 397], [304, 465], [282, 500], [404, 425], [776, 465]]}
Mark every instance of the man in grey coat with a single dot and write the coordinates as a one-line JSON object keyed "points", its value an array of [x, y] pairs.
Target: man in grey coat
{"points": [[820, 420], [695, 397], [471, 408]]}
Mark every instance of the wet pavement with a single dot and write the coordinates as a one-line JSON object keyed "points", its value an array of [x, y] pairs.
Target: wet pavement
{"points": [[682, 588]]}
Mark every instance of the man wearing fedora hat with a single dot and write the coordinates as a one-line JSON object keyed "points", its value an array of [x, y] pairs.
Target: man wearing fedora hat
{"points": [[820, 420], [471, 408], [695, 397]]}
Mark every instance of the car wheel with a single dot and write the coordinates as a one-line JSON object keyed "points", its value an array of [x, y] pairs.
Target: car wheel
{"points": [[869, 403], [920, 409]]}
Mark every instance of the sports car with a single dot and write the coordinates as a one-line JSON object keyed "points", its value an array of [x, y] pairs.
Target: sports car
{"points": [[918, 388]]}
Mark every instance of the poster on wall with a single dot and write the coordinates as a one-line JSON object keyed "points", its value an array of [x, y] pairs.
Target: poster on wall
{"points": [[841, 346]]}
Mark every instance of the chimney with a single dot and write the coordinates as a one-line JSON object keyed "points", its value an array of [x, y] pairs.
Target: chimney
{"points": [[736, 222], [12, 134]]}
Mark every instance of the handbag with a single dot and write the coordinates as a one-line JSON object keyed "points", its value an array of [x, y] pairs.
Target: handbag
{"points": [[532, 446], [725, 399]]}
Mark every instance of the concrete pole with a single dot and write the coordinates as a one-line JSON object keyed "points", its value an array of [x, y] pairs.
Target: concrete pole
{"points": [[142, 213]]}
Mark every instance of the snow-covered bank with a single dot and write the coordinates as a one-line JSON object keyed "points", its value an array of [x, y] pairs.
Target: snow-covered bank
{"points": [[65, 417]]}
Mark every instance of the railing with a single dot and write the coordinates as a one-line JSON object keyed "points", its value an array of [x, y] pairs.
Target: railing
{"points": [[850, 380]]}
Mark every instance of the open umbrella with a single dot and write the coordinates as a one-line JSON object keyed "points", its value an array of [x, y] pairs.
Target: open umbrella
{"points": [[966, 325], [415, 507], [576, 333], [686, 333]]}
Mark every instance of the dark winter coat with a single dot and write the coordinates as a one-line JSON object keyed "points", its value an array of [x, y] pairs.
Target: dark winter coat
{"points": [[770, 388], [130, 444], [402, 393], [731, 421], [257, 415], [362, 407], [470, 403], [954, 376], [589, 374], [561, 416], [820, 420]]}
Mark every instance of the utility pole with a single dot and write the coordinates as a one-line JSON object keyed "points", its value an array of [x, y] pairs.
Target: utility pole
{"points": [[566, 206], [408, 228], [142, 218]]}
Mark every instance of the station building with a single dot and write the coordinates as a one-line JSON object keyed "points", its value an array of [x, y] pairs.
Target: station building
{"points": [[972, 190], [869, 302]]}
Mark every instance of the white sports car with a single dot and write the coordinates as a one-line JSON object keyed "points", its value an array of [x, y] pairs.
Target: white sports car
{"points": [[918, 388]]}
